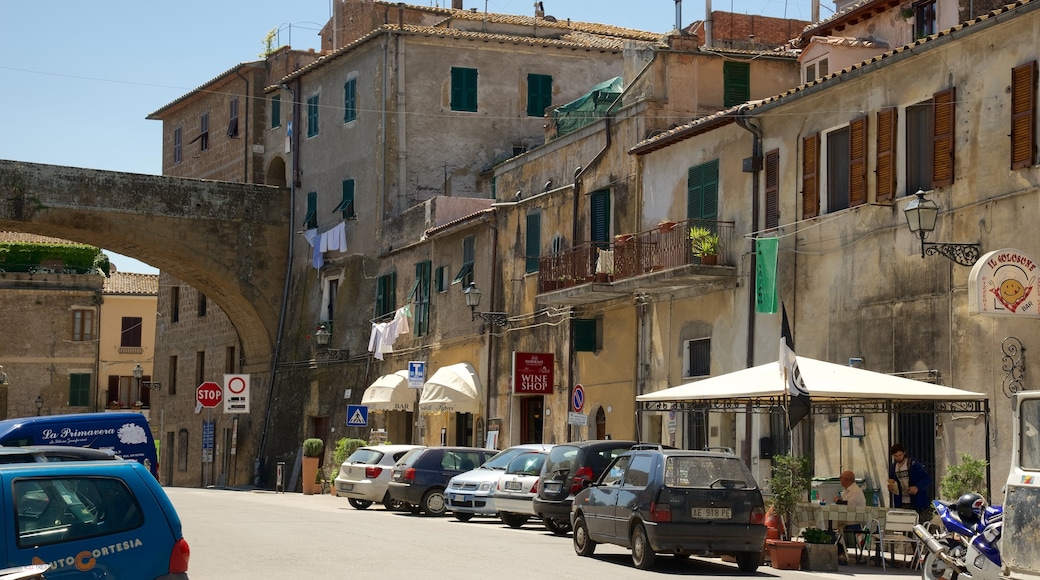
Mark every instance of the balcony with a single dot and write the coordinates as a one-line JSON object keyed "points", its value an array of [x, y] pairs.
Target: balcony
{"points": [[657, 260]]}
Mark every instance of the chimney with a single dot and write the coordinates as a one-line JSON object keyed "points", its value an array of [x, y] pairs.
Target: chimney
{"points": [[539, 10], [456, 4], [708, 24]]}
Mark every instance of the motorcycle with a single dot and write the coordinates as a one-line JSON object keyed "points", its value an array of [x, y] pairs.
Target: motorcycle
{"points": [[968, 546]]}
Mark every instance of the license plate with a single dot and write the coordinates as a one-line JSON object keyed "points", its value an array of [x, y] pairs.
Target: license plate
{"points": [[552, 487], [348, 487], [710, 513], [459, 498], [513, 485]]}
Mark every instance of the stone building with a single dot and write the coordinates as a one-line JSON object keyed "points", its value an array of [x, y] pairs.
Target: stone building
{"points": [[127, 342]]}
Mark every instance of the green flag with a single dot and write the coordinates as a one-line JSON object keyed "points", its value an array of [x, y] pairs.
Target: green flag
{"points": [[765, 275]]}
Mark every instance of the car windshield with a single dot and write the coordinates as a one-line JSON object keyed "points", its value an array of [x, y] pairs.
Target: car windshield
{"points": [[711, 472], [562, 460], [502, 458], [370, 456], [526, 464]]}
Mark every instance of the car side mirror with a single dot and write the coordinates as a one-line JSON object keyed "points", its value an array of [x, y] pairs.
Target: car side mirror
{"points": [[587, 483]]}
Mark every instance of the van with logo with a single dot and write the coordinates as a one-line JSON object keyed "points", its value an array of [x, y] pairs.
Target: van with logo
{"points": [[127, 434]]}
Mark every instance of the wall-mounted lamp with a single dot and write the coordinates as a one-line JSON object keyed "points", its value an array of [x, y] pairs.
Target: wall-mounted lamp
{"points": [[473, 294], [3, 376], [921, 214], [39, 404], [322, 337], [139, 374]]}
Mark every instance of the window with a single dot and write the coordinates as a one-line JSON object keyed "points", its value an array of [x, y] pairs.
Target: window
{"points": [[736, 83], [182, 450], [422, 298], [886, 155], [465, 275], [616, 472], [177, 145], [463, 89], [929, 142], [232, 128], [1023, 116], [82, 325], [772, 177], [924, 19], [638, 474], [817, 69], [276, 111], [175, 304], [350, 101], [539, 94], [200, 367], [202, 305], [171, 386], [810, 176], [837, 143], [312, 116], [346, 204], [702, 191], [204, 132], [79, 389], [331, 292], [440, 276], [130, 335], [310, 219], [386, 294], [599, 224], [533, 246], [588, 334], [697, 358], [51, 510], [230, 362]]}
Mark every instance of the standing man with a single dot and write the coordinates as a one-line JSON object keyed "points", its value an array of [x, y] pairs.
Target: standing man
{"points": [[908, 482]]}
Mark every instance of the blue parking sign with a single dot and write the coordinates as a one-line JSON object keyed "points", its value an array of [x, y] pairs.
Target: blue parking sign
{"points": [[416, 374], [357, 416]]}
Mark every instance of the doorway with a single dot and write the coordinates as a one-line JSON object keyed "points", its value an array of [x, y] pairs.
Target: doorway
{"points": [[532, 411]]}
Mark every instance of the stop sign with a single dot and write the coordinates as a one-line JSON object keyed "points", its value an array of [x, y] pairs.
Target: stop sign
{"points": [[209, 394]]}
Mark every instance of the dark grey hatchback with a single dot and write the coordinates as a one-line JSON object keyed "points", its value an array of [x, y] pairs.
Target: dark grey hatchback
{"points": [[673, 501], [565, 472]]}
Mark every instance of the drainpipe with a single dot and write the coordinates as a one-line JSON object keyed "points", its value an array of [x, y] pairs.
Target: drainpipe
{"points": [[756, 154], [490, 359], [244, 120]]}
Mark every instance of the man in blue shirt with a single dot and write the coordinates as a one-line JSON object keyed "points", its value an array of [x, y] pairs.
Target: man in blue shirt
{"points": [[908, 482]]}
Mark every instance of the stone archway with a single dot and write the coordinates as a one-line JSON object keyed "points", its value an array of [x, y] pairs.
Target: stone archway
{"points": [[275, 174]]}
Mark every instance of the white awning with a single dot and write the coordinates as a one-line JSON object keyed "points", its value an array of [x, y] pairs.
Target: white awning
{"points": [[452, 389], [825, 381], [389, 393]]}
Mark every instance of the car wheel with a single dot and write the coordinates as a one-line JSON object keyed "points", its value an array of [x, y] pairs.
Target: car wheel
{"points": [[360, 504], [643, 555], [392, 504], [462, 516], [557, 526], [583, 545], [433, 503], [513, 520], [748, 561]]}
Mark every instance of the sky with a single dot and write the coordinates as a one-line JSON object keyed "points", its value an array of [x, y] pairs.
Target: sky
{"points": [[79, 78]]}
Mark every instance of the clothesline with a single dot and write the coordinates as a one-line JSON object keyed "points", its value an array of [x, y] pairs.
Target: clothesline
{"points": [[332, 239], [385, 333]]}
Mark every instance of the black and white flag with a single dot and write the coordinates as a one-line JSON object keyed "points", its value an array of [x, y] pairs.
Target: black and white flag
{"points": [[798, 405]]}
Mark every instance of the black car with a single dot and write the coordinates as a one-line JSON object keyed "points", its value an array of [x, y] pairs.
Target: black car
{"points": [[679, 502], [564, 473], [422, 474]]}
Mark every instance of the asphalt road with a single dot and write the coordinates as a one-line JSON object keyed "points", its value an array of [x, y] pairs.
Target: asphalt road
{"points": [[247, 534]]}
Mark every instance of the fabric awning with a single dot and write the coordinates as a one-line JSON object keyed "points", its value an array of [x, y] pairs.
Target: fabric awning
{"points": [[390, 393], [452, 389]]}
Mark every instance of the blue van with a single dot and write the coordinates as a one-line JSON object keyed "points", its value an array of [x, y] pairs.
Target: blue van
{"points": [[127, 434]]}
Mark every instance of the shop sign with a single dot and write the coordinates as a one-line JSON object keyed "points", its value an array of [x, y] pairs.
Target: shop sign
{"points": [[1003, 283], [533, 373]]}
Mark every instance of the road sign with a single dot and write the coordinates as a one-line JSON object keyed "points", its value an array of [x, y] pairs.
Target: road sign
{"points": [[416, 374], [577, 419], [578, 398], [236, 388], [209, 394], [357, 416]]}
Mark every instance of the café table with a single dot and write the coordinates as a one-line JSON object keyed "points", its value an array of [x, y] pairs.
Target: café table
{"points": [[836, 517]]}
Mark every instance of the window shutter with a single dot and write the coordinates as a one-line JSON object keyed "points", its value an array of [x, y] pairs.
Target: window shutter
{"points": [[858, 162], [772, 163], [810, 176], [736, 81], [942, 137], [534, 238], [584, 335], [886, 155], [599, 208], [1023, 104], [702, 194]]}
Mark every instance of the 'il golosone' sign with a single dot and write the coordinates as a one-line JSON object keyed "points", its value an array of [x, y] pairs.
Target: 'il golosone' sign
{"points": [[532, 373]]}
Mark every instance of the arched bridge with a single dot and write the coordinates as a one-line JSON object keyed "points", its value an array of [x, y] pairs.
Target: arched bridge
{"points": [[229, 240]]}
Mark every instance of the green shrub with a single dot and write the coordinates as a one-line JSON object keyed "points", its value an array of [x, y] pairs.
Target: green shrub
{"points": [[817, 536], [968, 477], [790, 484], [313, 447], [73, 258], [344, 447]]}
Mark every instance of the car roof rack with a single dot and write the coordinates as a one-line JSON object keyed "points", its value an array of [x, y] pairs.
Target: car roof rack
{"points": [[719, 449]]}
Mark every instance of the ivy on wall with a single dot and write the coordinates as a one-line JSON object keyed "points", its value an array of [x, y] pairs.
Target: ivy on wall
{"points": [[52, 258]]}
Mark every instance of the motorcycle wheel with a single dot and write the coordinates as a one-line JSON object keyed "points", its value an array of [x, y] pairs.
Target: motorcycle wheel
{"points": [[935, 569]]}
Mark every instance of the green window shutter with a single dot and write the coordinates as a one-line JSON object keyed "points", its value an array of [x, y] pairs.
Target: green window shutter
{"points": [[350, 101], [702, 197], [463, 89], [422, 298], [584, 332], [79, 390], [736, 83], [539, 94], [312, 116], [310, 220], [599, 210], [533, 250], [346, 205], [276, 111], [438, 279]]}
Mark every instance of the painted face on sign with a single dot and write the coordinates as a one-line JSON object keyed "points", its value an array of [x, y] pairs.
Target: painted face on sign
{"points": [[1011, 291]]}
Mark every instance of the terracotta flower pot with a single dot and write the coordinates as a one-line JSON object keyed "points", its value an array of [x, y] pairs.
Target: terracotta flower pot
{"points": [[785, 555], [309, 473]]}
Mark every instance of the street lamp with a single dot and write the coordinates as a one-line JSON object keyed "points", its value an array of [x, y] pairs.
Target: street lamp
{"points": [[39, 404], [472, 295], [921, 214], [322, 336]]}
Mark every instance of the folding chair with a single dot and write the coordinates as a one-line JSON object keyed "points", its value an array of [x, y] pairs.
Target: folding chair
{"points": [[897, 531]]}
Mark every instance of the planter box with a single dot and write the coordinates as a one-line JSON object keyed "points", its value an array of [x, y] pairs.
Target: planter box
{"points": [[785, 555], [820, 557]]}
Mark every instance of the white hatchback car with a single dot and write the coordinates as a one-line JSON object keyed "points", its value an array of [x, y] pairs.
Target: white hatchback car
{"points": [[517, 487], [472, 493], [363, 477]]}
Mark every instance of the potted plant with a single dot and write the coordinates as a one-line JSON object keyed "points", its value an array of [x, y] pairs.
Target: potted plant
{"points": [[312, 449], [705, 244], [665, 226], [968, 477], [790, 485], [821, 551]]}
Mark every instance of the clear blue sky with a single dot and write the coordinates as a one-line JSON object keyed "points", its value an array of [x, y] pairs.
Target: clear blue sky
{"points": [[80, 77]]}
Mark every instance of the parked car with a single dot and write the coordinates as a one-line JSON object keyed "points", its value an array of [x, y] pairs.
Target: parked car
{"points": [[473, 492], [107, 519], [673, 501], [568, 466], [420, 477], [45, 453], [364, 476], [517, 487]]}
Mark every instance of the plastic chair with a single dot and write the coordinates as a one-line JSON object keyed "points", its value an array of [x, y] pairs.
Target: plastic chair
{"points": [[897, 531]]}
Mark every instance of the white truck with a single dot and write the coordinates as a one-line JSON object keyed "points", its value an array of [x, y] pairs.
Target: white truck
{"points": [[1021, 534]]}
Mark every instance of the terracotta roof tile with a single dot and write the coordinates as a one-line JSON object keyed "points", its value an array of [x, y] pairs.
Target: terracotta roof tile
{"points": [[129, 283], [34, 239]]}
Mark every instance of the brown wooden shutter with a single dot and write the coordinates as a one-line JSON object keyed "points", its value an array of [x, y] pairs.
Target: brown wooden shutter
{"points": [[1023, 103], [858, 162], [772, 189], [943, 103], [886, 155], [810, 176]]}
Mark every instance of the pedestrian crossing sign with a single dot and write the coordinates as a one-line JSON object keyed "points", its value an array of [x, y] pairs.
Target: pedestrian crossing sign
{"points": [[357, 416]]}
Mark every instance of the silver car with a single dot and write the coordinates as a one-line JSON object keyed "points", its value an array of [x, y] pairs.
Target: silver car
{"points": [[364, 476], [517, 487], [473, 493]]}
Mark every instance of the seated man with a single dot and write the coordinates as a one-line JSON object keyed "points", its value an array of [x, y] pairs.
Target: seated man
{"points": [[852, 496]]}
